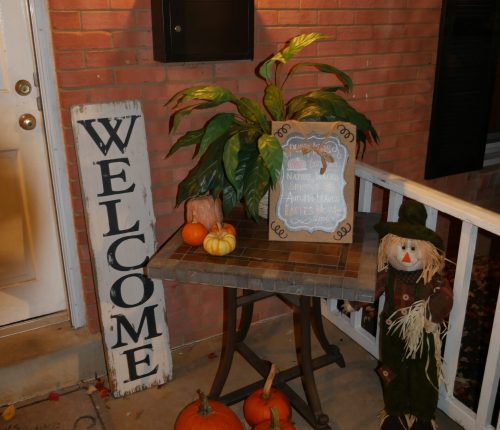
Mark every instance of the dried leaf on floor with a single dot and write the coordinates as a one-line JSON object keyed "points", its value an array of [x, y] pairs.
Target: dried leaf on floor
{"points": [[9, 412]]}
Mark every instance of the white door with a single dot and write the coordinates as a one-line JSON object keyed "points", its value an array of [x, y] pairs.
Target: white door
{"points": [[31, 271]]}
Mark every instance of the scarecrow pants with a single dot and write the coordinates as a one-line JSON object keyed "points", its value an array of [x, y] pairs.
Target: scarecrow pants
{"points": [[408, 390]]}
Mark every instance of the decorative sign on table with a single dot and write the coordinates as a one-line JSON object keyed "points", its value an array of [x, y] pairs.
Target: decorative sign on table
{"points": [[313, 199], [114, 170]]}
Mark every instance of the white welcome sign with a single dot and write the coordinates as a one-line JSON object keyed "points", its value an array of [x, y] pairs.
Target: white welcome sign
{"points": [[114, 170]]}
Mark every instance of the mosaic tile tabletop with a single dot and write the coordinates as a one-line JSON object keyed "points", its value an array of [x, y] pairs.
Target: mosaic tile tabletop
{"points": [[342, 271]]}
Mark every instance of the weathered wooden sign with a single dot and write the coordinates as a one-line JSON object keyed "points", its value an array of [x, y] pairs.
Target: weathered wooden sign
{"points": [[313, 199], [114, 170]]}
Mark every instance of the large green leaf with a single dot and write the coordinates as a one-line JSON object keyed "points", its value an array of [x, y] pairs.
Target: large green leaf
{"points": [[325, 68], [230, 158], [208, 93], [256, 185], [207, 175], [297, 44], [273, 101], [254, 113], [266, 70], [190, 138], [229, 198], [272, 153], [179, 115], [248, 153], [218, 126]]}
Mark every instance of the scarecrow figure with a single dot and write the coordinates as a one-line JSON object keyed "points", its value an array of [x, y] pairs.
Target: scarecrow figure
{"points": [[417, 301]]}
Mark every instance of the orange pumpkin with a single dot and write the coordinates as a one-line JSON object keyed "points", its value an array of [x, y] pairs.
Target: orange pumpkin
{"points": [[193, 233], [257, 406], [275, 423], [204, 414], [226, 227]]}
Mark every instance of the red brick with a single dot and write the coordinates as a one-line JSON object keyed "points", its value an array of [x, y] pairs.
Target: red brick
{"points": [[107, 20], [78, 4], [145, 56], [130, 4], [354, 33], [140, 75], [277, 4], [329, 48], [266, 17], [65, 20], [115, 93], [132, 39], [388, 31], [70, 41], [111, 58], [85, 78], [234, 69], [318, 4], [399, 102], [428, 30], [194, 74], [336, 17], [143, 19], [70, 98], [368, 4], [298, 17], [69, 60]]}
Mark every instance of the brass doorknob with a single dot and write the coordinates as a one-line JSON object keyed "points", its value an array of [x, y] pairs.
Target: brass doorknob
{"points": [[23, 87], [27, 121]]}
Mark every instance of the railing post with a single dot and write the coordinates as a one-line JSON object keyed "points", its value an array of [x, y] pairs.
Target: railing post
{"points": [[365, 195]]}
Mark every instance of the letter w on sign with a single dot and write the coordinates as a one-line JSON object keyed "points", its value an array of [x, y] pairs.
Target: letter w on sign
{"points": [[114, 169], [110, 132]]}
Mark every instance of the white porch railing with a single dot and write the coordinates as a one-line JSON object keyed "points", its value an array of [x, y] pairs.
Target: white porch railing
{"points": [[472, 218]]}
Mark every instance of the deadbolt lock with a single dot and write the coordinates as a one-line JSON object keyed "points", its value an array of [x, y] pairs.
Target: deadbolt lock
{"points": [[27, 121], [23, 87]]}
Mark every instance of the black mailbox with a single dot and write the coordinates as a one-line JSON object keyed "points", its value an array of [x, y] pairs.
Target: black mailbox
{"points": [[202, 30]]}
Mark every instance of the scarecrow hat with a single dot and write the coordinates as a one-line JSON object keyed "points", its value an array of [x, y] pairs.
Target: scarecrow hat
{"points": [[411, 224]]}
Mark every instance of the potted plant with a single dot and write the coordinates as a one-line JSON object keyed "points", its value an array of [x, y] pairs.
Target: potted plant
{"points": [[238, 157]]}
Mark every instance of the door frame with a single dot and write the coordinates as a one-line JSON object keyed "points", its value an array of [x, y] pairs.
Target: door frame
{"points": [[42, 41]]}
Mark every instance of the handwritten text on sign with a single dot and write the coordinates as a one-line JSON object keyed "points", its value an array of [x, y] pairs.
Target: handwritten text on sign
{"points": [[114, 169], [314, 196]]}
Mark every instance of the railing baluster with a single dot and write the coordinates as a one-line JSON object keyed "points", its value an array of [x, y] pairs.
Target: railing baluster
{"points": [[395, 200], [431, 217], [365, 195], [463, 271]]}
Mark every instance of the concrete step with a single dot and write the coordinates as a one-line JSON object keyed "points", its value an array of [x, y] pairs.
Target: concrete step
{"points": [[36, 362]]}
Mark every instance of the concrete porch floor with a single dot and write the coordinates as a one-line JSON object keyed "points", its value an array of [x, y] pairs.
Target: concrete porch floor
{"points": [[350, 396]]}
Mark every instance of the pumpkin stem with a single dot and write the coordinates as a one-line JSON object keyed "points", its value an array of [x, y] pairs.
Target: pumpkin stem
{"points": [[219, 226], [266, 392], [205, 409], [193, 217], [275, 419]]}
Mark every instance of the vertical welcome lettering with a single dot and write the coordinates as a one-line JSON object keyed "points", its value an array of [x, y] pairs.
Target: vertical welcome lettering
{"points": [[113, 163]]}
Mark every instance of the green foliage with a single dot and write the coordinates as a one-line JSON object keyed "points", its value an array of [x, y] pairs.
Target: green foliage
{"points": [[238, 157]]}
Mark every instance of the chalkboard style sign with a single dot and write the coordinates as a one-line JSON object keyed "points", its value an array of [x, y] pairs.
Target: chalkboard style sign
{"points": [[313, 200]]}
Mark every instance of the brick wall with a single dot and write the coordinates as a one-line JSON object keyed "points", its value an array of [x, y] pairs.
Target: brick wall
{"points": [[103, 52]]}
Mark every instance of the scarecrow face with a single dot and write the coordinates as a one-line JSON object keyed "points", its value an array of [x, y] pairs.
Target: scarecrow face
{"points": [[405, 254]]}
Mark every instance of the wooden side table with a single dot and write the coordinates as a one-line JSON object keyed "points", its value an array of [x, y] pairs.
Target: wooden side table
{"points": [[298, 273]]}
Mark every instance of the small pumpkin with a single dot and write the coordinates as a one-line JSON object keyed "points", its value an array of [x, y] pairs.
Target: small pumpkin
{"points": [[257, 407], [193, 233], [226, 227], [219, 243], [205, 414], [275, 423]]}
